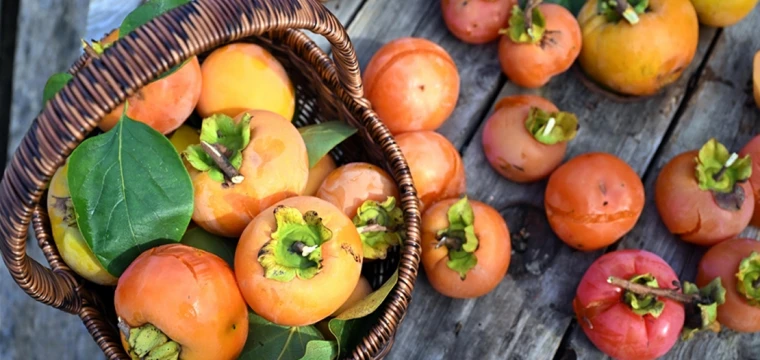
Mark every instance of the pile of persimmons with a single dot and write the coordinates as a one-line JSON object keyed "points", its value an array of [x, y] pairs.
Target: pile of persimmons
{"points": [[229, 233]]}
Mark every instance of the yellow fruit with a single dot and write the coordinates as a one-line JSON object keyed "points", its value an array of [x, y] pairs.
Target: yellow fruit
{"points": [[756, 78], [185, 136], [69, 240], [722, 13]]}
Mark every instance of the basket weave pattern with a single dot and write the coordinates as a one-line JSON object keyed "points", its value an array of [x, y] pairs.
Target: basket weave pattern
{"points": [[326, 90]]}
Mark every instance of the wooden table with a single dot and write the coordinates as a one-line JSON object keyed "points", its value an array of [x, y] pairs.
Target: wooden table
{"points": [[529, 316]]}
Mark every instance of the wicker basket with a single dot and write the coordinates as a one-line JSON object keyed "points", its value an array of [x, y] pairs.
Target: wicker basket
{"points": [[326, 90]]}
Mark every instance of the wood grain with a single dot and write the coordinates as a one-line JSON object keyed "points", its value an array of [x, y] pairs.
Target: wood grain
{"points": [[527, 315], [379, 22], [722, 107]]}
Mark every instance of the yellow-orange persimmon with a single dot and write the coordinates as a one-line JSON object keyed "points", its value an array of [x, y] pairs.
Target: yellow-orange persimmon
{"points": [[243, 76], [274, 165], [318, 173], [299, 261], [188, 295], [163, 104]]}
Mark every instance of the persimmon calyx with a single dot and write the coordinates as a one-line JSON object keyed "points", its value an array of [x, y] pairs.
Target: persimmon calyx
{"points": [[295, 249], [220, 152], [380, 226], [459, 238], [526, 27], [615, 10], [748, 277], [702, 312], [147, 342], [551, 128], [721, 173], [644, 303]]}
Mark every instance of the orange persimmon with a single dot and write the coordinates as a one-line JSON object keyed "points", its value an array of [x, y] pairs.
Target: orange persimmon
{"points": [[318, 173]]}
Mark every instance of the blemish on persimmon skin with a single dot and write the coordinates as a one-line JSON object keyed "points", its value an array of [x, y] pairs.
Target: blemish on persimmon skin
{"points": [[590, 218], [603, 188], [694, 230]]}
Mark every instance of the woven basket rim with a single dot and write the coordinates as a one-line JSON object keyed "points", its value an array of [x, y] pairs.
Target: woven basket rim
{"points": [[96, 82]]}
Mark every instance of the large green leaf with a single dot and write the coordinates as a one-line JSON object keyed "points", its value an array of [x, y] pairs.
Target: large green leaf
{"points": [[55, 83], [351, 325], [323, 137], [130, 192], [267, 340], [217, 245]]}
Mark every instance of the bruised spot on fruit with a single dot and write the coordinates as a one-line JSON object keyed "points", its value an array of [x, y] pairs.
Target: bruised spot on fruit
{"points": [[347, 248], [605, 203]]}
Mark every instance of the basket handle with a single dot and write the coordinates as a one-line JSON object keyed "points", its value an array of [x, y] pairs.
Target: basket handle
{"points": [[101, 84]]}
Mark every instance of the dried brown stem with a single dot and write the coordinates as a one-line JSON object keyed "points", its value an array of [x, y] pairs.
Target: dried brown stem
{"points": [[217, 154], [532, 4], [372, 228], [644, 290]]}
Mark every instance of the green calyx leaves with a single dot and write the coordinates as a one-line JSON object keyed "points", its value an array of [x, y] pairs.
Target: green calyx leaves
{"points": [[719, 171], [615, 10], [551, 128], [221, 147], [702, 313], [460, 238], [748, 277], [380, 226], [295, 247], [524, 29], [148, 342], [644, 304]]}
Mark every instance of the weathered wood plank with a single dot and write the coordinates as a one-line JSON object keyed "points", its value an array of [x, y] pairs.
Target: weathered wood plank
{"points": [[721, 107], [379, 22], [528, 314], [48, 41]]}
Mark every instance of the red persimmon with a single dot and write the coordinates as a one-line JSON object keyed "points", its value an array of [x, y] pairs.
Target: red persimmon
{"points": [[752, 148], [526, 137], [593, 199], [476, 21], [703, 195], [620, 323]]}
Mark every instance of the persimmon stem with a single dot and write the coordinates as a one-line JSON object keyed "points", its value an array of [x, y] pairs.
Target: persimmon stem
{"points": [[217, 153], [451, 242], [731, 160], [302, 249], [371, 228], [549, 126], [89, 50], [644, 290], [532, 4]]}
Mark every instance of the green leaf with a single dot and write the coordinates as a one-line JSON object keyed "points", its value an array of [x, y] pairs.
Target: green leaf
{"points": [[703, 314], [55, 83], [145, 13], [323, 137], [201, 239], [573, 5], [220, 130], [130, 192], [644, 305], [608, 8], [460, 238], [350, 326], [267, 340], [551, 128], [748, 279], [518, 26], [380, 226], [321, 350]]}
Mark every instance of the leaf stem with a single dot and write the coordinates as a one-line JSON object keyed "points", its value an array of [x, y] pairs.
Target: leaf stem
{"points": [[627, 11], [731, 160], [532, 4], [371, 228], [217, 153], [640, 289], [451, 242], [549, 126]]}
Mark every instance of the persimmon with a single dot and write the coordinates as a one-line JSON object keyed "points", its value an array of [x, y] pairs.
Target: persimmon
{"points": [[242, 166], [722, 13], [361, 291], [413, 84], [244, 76], [165, 309], [436, 166], [703, 196], [526, 137], [641, 51], [737, 263], [72, 246], [318, 173], [540, 42], [367, 195], [163, 104], [624, 324], [466, 247], [298, 261], [752, 149], [476, 21], [593, 199], [184, 136], [756, 78]]}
